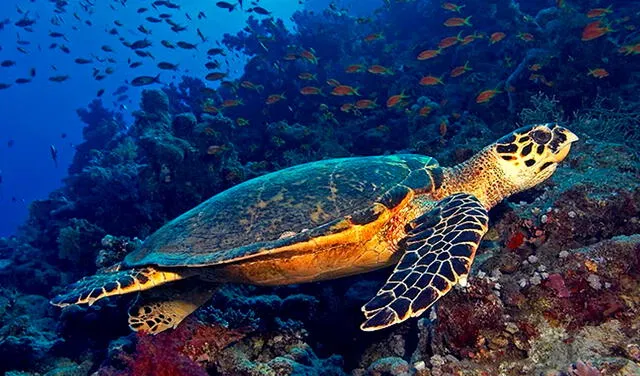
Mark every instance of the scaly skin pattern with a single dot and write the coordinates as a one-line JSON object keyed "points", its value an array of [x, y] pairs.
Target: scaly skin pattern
{"points": [[479, 176]]}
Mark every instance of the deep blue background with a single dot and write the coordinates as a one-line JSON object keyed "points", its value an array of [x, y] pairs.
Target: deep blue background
{"points": [[35, 115]]}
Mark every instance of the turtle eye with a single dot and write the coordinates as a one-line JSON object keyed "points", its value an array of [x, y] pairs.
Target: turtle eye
{"points": [[540, 137]]}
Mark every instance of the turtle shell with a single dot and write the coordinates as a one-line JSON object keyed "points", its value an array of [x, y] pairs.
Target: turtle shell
{"points": [[286, 207]]}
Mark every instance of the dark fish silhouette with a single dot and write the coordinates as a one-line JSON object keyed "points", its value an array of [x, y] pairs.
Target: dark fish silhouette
{"points": [[186, 45], [224, 5], [145, 80], [25, 22], [167, 66], [167, 44], [54, 154], [259, 10], [214, 76], [61, 78], [216, 51], [139, 44]]}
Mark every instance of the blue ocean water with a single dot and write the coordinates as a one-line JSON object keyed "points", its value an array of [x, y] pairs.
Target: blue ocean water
{"points": [[35, 115], [491, 176]]}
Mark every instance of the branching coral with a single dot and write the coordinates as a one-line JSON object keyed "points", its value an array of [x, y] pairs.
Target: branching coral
{"points": [[611, 119], [544, 109]]}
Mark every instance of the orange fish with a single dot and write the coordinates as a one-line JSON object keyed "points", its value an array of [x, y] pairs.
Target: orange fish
{"points": [[598, 73], [527, 37], [452, 7], [216, 149], [214, 76], [457, 21], [431, 81], [309, 56], [424, 111], [346, 107], [274, 98], [290, 57], [535, 77], [379, 69], [450, 41], [354, 68], [535, 67], [310, 90], [250, 85], [442, 128], [487, 95], [469, 38], [365, 103], [307, 76], [630, 49], [497, 37], [599, 12], [333, 82], [595, 30], [341, 90], [394, 100], [231, 103], [373, 37], [459, 71], [429, 54], [210, 109]]}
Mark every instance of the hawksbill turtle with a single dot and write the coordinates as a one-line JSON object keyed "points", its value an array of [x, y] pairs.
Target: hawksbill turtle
{"points": [[329, 219]]}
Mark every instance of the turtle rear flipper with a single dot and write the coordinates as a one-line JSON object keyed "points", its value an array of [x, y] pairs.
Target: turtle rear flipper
{"points": [[90, 289], [164, 308], [438, 253]]}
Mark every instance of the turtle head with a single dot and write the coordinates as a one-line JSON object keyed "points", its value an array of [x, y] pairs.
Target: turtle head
{"points": [[529, 155]]}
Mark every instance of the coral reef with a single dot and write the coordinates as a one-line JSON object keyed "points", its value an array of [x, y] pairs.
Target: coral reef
{"points": [[555, 281]]}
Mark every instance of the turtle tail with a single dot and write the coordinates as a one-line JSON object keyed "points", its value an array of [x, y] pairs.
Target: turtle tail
{"points": [[90, 289]]}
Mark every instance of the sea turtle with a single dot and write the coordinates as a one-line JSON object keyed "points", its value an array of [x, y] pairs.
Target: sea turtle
{"points": [[330, 219]]}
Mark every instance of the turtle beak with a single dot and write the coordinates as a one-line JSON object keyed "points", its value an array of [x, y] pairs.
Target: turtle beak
{"points": [[564, 139]]}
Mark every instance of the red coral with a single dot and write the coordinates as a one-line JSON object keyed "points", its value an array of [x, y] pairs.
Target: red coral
{"points": [[177, 352], [515, 241], [159, 356], [464, 318]]}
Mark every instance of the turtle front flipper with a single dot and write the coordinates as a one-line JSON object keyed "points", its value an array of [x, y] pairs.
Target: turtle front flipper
{"points": [[90, 289], [438, 252], [164, 308]]}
